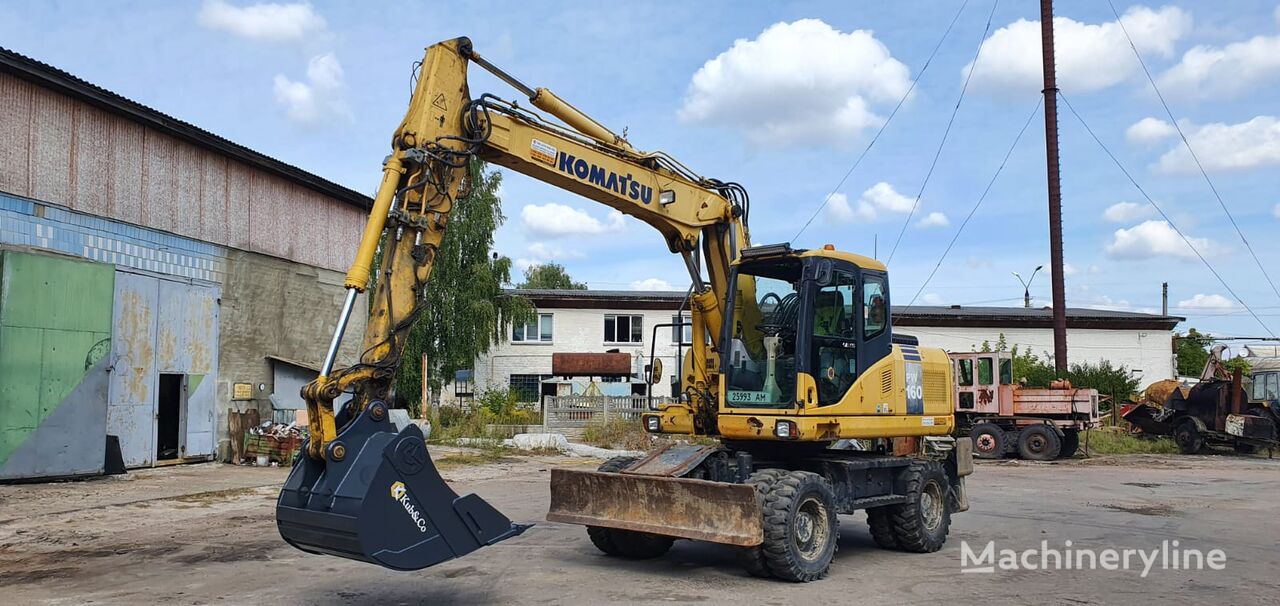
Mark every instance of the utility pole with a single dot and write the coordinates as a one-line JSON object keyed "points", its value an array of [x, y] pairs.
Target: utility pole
{"points": [[1164, 298], [1055, 188]]}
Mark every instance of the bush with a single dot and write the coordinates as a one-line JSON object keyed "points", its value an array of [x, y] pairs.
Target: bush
{"points": [[493, 407], [617, 433], [1110, 380]]}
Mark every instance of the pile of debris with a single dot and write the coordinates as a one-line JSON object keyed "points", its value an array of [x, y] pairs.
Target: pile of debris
{"points": [[271, 443]]}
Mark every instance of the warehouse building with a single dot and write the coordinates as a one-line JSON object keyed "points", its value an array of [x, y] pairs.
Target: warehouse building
{"points": [[624, 321], [152, 271]]}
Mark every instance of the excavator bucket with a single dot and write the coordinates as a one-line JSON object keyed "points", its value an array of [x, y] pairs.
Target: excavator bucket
{"points": [[677, 507], [383, 502]]}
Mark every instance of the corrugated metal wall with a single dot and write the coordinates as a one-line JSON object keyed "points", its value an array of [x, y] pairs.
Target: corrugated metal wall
{"points": [[70, 153], [164, 326], [55, 333]]}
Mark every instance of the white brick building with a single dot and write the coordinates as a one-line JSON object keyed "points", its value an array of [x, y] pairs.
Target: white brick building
{"points": [[581, 321]]}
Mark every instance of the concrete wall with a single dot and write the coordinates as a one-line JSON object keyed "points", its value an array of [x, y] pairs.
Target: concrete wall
{"points": [[65, 152], [575, 330], [273, 307], [1148, 352]]}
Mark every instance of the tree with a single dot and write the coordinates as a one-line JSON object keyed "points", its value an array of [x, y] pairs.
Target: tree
{"points": [[1192, 352], [549, 276], [465, 309]]}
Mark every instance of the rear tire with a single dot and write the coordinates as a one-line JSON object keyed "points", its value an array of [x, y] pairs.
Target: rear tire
{"points": [[880, 519], [626, 543], [1188, 437], [988, 441], [1039, 443], [1070, 443], [752, 558], [922, 525], [800, 527]]}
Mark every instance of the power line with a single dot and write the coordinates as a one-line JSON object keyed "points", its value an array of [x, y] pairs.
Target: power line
{"points": [[1191, 151], [945, 133], [1142, 191], [981, 198], [886, 122]]}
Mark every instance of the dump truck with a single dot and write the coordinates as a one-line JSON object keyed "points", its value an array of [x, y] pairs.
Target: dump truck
{"points": [[1006, 418], [793, 352]]}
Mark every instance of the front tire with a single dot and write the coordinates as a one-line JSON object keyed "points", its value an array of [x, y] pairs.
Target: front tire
{"points": [[988, 441], [1188, 437], [800, 527], [626, 543], [922, 525]]}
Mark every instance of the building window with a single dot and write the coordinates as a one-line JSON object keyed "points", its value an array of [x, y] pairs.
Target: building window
{"points": [[527, 388], [537, 331], [623, 329], [682, 334]]}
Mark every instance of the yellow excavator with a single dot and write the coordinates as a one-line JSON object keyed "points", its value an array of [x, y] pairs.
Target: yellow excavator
{"points": [[818, 408]]}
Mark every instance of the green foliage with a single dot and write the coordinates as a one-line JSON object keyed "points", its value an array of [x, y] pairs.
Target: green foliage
{"points": [[1114, 440], [1246, 368], [550, 276], [617, 433], [1192, 350], [1110, 380], [493, 407], [465, 310]]}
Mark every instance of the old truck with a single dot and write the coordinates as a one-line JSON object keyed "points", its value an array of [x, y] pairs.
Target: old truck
{"points": [[1217, 410], [1005, 418]]}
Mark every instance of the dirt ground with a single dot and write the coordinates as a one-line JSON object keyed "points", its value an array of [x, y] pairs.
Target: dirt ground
{"points": [[202, 534]]}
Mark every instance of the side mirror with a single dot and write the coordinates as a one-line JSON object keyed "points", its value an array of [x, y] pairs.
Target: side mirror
{"points": [[655, 371]]}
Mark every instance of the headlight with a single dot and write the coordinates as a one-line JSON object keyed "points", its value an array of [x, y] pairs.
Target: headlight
{"points": [[786, 430], [652, 424]]}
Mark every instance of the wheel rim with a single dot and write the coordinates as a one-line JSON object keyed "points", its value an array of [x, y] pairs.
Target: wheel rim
{"points": [[1036, 443], [986, 443], [931, 505], [810, 530]]}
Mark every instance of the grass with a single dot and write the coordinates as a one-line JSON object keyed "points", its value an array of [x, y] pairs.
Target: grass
{"points": [[618, 434], [1115, 440]]}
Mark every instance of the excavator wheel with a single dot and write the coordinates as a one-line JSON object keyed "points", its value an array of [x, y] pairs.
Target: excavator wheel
{"points": [[1039, 443], [921, 524], [626, 543], [800, 527], [752, 558], [880, 519]]}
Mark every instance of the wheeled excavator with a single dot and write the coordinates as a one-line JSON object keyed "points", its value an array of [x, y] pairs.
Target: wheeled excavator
{"points": [[816, 407]]}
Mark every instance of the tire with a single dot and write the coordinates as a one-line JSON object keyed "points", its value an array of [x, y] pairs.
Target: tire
{"points": [[989, 441], [1039, 443], [880, 519], [1070, 443], [800, 528], [626, 543], [921, 525], [752, 558], [1188, 437]]}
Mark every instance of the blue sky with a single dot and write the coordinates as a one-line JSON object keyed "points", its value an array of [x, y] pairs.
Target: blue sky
{"points": [[782, 97]]}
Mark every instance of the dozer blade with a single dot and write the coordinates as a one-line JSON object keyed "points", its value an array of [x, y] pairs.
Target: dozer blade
{"points": [[678, 507], [383, 502]]}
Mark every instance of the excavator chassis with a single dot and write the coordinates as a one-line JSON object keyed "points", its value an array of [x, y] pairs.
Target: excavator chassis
{"points": [[382, 501]]}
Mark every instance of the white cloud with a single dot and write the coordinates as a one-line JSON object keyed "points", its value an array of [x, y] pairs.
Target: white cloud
{"points": [[885, 198], [934, 219], [1089, 56], [1069, 269], [1223, 147], [1107, 303], [1127, 212], [320, 98], [797, 82], [1155, 239], [1149, 130], [1202, 301], [559, 221], [1220, 72], [541, 252], [932, 298], [839, 210], [652, 284], [267, 21]]}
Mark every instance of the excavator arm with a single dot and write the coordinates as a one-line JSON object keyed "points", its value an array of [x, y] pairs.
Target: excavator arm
{"points": [[364, 490]]}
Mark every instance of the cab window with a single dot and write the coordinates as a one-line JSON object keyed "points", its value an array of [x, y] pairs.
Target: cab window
{"points": [[964, 372], [835, 335], [1006, 371], [984, 371], [874, 307]]}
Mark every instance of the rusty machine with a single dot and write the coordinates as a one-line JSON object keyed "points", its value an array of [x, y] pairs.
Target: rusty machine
{"points": [[1003, 417], [794, 352], [1215, 410]]}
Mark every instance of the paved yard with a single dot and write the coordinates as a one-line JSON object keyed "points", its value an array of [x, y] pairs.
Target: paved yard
{"points": [[205, 534]]}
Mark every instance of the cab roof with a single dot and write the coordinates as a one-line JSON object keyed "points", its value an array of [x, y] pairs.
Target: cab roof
{"points": [[854, 258]]}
